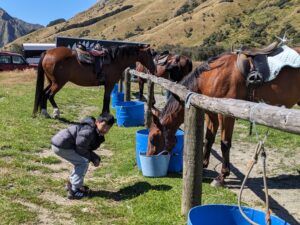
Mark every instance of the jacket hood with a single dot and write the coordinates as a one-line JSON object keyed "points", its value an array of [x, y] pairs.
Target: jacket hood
{"points": [[89, 120]]}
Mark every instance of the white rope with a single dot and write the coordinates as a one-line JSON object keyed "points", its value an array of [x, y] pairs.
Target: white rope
{"points": [[251, 117], [259, 148], [188, 99]]}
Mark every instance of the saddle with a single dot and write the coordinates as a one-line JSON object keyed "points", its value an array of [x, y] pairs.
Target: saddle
{"points": [[253, 64], [96, 56], [161, 59]]}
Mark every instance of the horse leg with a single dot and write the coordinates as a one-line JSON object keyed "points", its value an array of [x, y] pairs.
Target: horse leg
{"points": [[212, 125], [53, 90], [226, 138], [44, 101], [106, 98], [56, 112]]}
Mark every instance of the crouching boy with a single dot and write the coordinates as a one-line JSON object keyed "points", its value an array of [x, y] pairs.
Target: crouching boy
{"points": [[76, 145]]}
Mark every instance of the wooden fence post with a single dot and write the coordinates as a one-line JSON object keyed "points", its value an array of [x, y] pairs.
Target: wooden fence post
{"points": [[127, 81], [148, 115], [192, 158], [120, 86]]}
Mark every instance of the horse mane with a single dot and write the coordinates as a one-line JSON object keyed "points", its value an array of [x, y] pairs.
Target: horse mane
{"points": [[124, 51], [189, 81]]}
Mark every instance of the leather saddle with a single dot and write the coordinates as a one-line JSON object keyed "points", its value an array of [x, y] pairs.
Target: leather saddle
{"points": [[88, 55], [161, 59], [252, 63], [96, 56]]}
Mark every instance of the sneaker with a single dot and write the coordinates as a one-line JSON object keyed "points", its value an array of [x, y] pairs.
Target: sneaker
{"points": [[84, 188], [78, 194]]}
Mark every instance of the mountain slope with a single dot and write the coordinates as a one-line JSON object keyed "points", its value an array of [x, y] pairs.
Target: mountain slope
{"points": [[11, 28], [186, 23]]}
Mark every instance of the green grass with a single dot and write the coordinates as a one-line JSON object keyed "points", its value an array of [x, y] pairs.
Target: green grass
{"points": [[121, 194]]}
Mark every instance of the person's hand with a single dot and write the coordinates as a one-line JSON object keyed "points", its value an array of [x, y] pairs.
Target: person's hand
{"points": [[96, 162]]}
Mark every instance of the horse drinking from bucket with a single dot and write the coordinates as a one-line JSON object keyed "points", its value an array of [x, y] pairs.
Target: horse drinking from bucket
{"points": [[170, 66], [61, 65], [223, 77]]}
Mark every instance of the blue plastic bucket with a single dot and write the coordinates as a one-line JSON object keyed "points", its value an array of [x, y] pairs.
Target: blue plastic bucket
{"points": [[115, 89], [154, 165], [176, 159], [228, 215], [117, 98], [130, 114]]}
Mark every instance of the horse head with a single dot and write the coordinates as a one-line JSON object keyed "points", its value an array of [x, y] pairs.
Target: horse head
{"points": [[160, 137], [145, 58]]}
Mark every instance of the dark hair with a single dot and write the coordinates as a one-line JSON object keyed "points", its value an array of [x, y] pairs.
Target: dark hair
{"points": [[107, 117]]}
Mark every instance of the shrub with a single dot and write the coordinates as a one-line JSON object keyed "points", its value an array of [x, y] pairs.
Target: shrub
{"points": [[188, 6], [54, 22], [17, 48]]}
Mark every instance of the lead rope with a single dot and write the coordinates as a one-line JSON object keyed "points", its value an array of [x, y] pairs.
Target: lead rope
{"points": [[259, 148]]}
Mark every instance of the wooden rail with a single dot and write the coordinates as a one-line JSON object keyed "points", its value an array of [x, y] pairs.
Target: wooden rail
{"points": [[271, 116]]}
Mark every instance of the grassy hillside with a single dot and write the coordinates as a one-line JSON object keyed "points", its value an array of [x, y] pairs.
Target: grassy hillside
{"points": [[186, 23]]}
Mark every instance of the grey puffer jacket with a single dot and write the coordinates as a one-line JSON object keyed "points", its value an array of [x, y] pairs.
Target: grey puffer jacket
{"points": [[83, 138]]}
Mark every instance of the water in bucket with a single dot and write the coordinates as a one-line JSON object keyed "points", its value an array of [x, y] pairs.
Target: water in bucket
{"points": [[228, 215]]}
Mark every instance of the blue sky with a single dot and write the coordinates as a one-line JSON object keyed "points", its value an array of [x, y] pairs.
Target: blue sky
{"points": [[44, 11]]}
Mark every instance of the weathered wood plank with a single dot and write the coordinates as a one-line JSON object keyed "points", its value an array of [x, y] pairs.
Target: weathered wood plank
{"points": [[148, 116], [271, 116], [192, 158], [127, 91]]}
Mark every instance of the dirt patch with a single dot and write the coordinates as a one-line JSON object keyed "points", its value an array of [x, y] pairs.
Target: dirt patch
{"points": [[52, 197], [46, 216], [283, 185]]}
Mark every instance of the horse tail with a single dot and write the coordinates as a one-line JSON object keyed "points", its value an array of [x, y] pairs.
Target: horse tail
{"points": [[39, 86]]}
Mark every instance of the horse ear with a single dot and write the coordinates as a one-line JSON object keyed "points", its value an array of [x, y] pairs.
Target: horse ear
{"points": [[155, 120], [144, 46]]}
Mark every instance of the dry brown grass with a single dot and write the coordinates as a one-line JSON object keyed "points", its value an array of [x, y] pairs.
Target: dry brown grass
{"points": [[157, 15], [17, 77]]}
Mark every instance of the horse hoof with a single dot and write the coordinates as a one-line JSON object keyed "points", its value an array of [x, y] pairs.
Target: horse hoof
{"points": [[217, 183], [45, 113], [56, 113]]}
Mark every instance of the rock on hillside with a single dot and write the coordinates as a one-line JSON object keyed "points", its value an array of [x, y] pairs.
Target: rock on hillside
{"points": [[12, 28]]}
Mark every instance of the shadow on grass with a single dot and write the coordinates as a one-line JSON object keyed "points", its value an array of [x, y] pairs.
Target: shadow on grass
{"points": [[129, 192], [205, 178], [64, 120]]}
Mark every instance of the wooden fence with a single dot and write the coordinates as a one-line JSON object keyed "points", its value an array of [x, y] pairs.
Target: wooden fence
{"points": [[260, 113]]}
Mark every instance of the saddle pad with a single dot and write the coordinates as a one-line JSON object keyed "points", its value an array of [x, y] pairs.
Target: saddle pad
{"points": [[288, 57], [84, 57]]}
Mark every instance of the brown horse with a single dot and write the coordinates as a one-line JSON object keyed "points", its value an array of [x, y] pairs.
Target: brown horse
{"points": [[221, 78], [61, 65], [175, 68]]}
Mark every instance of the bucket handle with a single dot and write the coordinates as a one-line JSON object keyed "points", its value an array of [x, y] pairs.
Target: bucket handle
{"points": [[162, 152]]}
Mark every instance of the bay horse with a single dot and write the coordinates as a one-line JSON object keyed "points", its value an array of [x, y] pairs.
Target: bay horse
{"points": [[175, 68], [61, 65], [220, 77]]}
